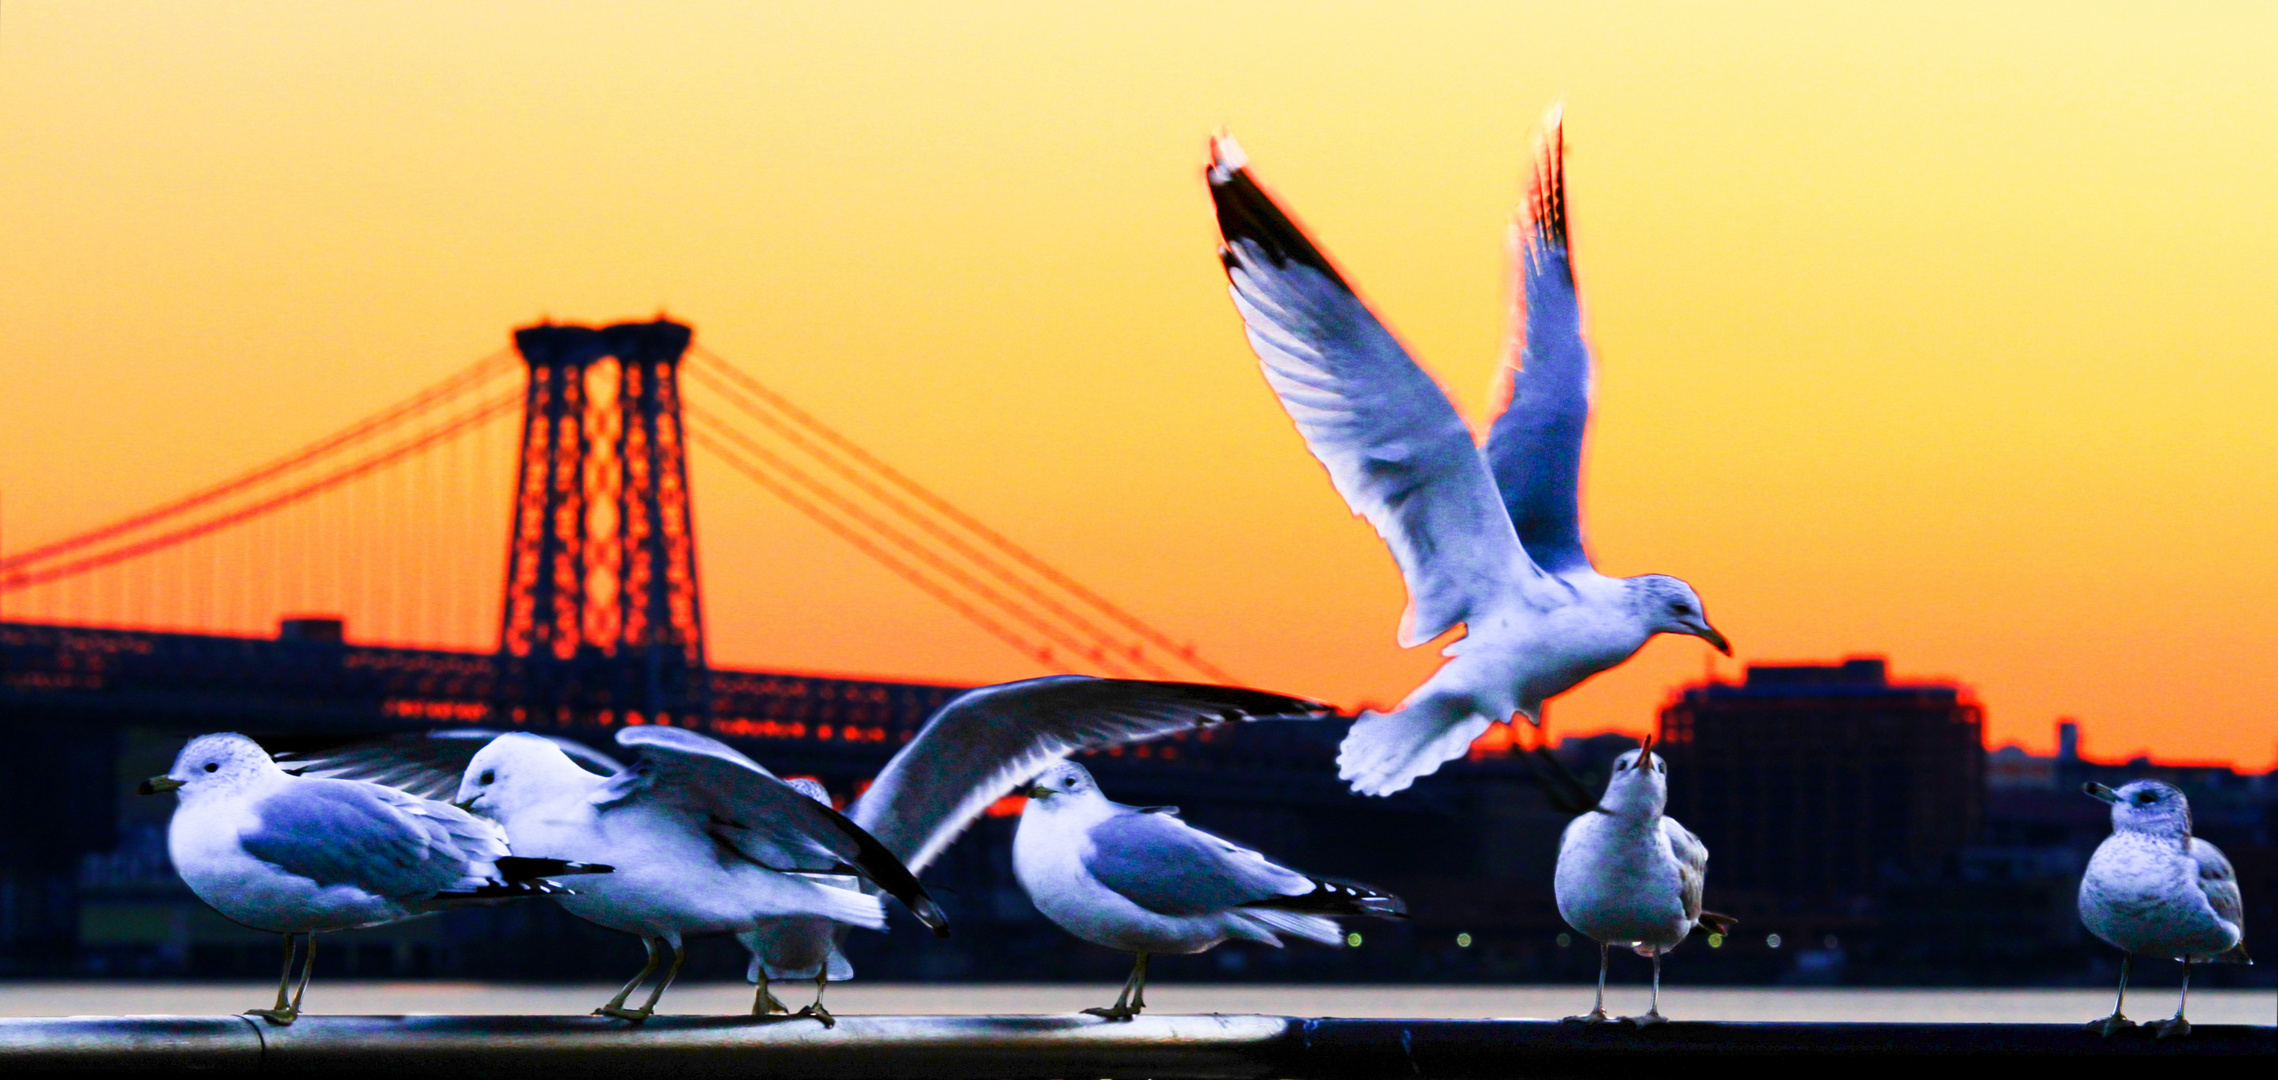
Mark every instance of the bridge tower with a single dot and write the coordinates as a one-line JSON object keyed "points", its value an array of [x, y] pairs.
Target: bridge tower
{"points": [[602, 622]]}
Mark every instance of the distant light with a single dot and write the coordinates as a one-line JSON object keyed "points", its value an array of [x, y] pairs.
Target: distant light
{"points": [[1353, 939], [1827, 942], [1772, 940], [1716, 941], [1565, 940], [1463, 941]]}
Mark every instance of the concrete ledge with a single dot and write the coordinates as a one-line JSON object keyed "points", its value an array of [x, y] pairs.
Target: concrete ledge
{"points": [[1011, 1047]]}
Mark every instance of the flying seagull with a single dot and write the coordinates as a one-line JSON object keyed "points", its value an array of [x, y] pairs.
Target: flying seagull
{"points": [[977, 749], [2155, 889], [1492, 538], [301, 856], [1629, 875], [1141, 880]]}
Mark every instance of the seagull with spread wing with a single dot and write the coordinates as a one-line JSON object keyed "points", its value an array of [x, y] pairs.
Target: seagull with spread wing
{"points": [[979, 748], [707, 840], [1491, 539]]}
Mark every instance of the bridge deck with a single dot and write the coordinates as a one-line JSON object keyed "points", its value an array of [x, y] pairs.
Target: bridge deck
{"points": [[1001, 1047]]}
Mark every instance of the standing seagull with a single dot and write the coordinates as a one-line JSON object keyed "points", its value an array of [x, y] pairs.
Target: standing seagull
{"points": [[302, 856], [1491, 540], [1629, 875], [977, 750], [2153, 888], [1143, 881]]}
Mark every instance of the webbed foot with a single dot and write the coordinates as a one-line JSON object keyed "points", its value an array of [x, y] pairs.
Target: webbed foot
{"points": [[2174, 1026], [1594, 1016], [622, 1013], [1647, 1020], [279, 1017], [1115, 1013], [2110, 1024], [816, 1011], [767, 1005]]}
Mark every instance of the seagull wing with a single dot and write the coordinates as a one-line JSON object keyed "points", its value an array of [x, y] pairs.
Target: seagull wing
{"points": [[1535, 446], [981, 745], [2220, 884], [750, 810], [1172, 868], [1394, 447], [1692, 865], [371, 837], [428, 764]]}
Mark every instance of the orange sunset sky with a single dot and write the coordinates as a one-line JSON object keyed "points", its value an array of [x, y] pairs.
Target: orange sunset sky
{"points": [[1942, 332]]}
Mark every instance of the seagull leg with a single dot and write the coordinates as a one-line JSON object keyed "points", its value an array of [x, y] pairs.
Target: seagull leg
{"points": [[616, 1005], [1139, 987], [763, 1002], [649, 1007], [1122, 1009], [816, 1010], [1597, 1013], [308, 968], [282, 1012], [1652, 1012], [2115, 1022], [2175, 1025]]}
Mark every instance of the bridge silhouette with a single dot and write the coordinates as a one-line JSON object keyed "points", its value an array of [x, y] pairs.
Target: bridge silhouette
{"points": [[225, 603]]}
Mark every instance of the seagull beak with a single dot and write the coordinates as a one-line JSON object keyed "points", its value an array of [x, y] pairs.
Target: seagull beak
{"points": [[2094, 790], [1037, 791], [156, 785], [469, 805], [1708, 634]]}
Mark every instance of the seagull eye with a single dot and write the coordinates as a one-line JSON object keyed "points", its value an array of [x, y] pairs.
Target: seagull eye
{"points": [[1681, 609], [212, 765], [488, 775]]}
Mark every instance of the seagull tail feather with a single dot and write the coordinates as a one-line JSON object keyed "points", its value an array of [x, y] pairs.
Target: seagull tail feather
{"points": [[2237, 955], [519, 868], [1717, 923], [1386, 752]]}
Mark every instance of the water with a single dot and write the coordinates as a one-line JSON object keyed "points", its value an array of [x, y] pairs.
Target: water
{"points": [[1682, 1003]]}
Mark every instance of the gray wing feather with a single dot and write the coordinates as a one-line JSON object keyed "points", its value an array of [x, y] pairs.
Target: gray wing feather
{"points": [[428, 764], [345, 832], [1171, 868], [2220, 883], [1692, 864], [1535, 446], [981, 745], [1393, 445], [754, 812]]}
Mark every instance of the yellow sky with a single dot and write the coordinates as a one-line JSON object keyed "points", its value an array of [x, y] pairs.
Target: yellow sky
{"points": [[1930, 331]]}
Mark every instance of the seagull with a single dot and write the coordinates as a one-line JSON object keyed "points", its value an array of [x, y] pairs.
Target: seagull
{"points": [[1492, 538], [2153, 888], [301, 856], [1629, 875], [796, 946], [977, 749], [705, 840], [1141, 880]]}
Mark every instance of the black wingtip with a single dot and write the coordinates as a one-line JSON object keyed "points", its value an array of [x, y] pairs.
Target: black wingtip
{"points": [[1247, 213], [1716, 923], [1546, 189], [519, 868], [1337, 898]]}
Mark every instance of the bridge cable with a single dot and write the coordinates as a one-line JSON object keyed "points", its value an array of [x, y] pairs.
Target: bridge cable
{"points": [[869, 547], [1101, 637], [488, 411], [1185, 653], [913, 546], [434, 396]]}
